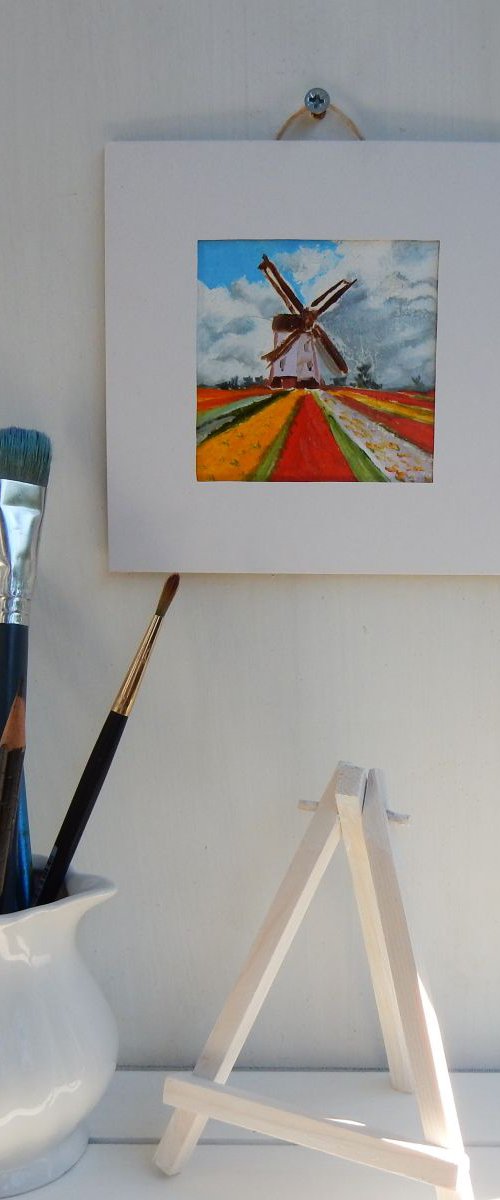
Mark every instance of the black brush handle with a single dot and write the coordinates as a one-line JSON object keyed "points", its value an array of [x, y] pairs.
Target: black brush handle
{"points": [[80, 808]]}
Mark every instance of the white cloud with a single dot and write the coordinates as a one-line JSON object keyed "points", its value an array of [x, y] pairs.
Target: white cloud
{"points": [[386, 319], [307, 262], [371, 262], [233, 331]]}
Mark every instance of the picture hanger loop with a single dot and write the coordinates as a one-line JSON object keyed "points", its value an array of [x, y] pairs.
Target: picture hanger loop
{"points": [[317, 104]]}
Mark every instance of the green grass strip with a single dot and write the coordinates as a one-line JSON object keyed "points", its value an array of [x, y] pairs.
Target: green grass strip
{"points": [[270, 458], [360, 463], [209, 414], [215, 420]]}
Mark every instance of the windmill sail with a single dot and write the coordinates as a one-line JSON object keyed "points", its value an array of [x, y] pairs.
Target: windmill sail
{"points": [[297, 333], [331, 350]]}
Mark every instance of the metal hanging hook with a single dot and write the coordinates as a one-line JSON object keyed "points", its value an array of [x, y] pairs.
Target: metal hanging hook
{"points": [[317, 102]]}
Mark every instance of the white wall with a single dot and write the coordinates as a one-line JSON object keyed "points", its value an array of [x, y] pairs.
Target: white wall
{"points": [[259, 685]]}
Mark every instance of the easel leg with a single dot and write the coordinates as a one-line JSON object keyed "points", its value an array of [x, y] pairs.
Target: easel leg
{"points": [[417, 1017], [350, 813], [262, 965]]}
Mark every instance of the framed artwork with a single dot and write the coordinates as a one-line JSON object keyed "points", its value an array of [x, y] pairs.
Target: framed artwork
{"points": [[360, 409], [304, 316]]}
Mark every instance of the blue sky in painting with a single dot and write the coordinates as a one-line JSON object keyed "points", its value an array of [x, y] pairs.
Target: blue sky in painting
{"points": [[387, 319], [221, 262]]}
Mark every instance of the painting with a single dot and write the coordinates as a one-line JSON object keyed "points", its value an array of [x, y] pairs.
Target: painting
{"points": [[307, 314], [316, 361]]}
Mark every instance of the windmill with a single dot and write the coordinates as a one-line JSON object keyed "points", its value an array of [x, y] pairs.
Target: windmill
{"points": [[297, 335]]}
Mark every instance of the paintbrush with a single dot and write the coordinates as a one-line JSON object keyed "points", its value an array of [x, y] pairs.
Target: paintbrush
{"points": [[101, 758], [25, 456], [12, 747]]}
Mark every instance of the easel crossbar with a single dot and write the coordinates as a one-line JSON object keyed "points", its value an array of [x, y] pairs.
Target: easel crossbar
{"points": [[429, 1164]]}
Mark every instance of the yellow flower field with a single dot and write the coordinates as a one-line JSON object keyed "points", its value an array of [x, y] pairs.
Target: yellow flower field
{"points": [[236, 453]]}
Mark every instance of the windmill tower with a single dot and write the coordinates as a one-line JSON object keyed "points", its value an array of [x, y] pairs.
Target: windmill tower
{"points": [[295, 360]]}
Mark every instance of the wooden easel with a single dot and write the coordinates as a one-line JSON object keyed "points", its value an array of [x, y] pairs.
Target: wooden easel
{"points": [[353, 808]]}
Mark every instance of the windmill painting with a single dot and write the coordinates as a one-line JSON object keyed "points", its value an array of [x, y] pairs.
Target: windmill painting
{"points": [[346, 391], [294, 359]]}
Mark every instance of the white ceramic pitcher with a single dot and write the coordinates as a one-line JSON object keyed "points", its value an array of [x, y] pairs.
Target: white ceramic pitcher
{"points": [[58, 1038]]}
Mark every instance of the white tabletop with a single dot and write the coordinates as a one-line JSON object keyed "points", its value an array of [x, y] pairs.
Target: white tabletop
{"points": [[231, 1163]]}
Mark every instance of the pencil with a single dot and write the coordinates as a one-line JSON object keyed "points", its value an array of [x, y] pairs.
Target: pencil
{"points": [[101, 758], [12, 747]]}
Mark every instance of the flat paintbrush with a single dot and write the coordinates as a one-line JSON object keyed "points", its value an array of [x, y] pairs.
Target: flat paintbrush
{"points": [[12, 747], [101, 758], [25, 456]]}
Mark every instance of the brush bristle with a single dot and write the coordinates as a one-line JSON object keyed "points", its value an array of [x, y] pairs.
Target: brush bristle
{"points": [[168, 593], [25, 455]]}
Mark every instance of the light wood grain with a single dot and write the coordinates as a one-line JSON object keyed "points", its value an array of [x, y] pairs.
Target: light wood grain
{"points": [[350, 808], [310, 806], [132, 1112], [259, 971], [270, 1172], [421, 1030], [410, 1028], [132, 1107], [428, 1164]]}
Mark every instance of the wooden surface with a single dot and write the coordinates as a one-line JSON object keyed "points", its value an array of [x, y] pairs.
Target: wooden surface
{"points": [[258, 686], [350, 809], [355, 806], [414, 1012], [260, 968], [133, 1108], [222, 1172], [118, 1165], [328, 1136]]}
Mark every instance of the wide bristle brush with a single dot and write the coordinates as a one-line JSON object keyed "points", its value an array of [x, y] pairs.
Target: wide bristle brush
{"points": [[25, 456]]}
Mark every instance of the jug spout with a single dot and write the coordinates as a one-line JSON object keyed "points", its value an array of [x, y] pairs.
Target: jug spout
{"points": [[86, 891], [59, 918]]}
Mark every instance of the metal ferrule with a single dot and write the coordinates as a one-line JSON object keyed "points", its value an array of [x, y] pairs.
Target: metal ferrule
{"points": [[130, 686], [21, 513]]}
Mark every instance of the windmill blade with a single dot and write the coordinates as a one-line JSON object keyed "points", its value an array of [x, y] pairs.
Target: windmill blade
{"points": [[273, 355], [340, 288], [329, 291], [330, 349], [281, 286]]}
